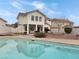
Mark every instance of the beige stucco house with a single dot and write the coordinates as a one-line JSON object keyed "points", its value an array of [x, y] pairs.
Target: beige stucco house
{"points": [[37, 21], [75, 30], [31, 21], [57, 25], [2, 22], [3, 27]]}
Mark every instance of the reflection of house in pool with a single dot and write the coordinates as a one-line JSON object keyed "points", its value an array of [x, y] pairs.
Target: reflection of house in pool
{"points": [[30, 48], [2, 43]]}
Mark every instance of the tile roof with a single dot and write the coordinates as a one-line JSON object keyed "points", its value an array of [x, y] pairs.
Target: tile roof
{"points": [[24, 14], [3, 20], [61, 20]]}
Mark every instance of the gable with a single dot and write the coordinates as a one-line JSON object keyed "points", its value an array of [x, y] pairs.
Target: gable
{"points": [[31, 12], [37, 12]]}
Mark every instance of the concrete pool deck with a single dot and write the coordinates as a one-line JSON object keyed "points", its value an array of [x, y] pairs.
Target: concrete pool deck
{"points": [[66, 41]]}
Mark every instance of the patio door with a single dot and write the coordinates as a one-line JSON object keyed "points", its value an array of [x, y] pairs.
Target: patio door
{"points": [[39, 29], [25, 26]]}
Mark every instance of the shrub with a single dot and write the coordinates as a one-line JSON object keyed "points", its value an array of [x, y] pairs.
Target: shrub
{"points": [[39, 34], [68, 29]]}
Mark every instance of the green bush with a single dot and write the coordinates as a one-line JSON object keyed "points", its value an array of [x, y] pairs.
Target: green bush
{"points": [[68, 29], [39, 34]]}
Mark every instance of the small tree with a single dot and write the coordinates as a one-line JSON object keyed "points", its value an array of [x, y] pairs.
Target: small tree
{"points": [[68, 29]]}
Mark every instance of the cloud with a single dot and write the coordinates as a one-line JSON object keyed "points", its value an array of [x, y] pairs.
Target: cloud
{"points": [[8, 16], [6, 13], [38, 5], [17, 5], [73, 17], [43, 7]]}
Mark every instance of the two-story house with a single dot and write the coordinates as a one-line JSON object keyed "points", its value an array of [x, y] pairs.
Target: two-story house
{"points": [[36, 21], [31, 21], [57, 25]]}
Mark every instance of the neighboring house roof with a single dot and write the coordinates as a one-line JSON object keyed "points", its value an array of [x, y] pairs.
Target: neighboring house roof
{"points": [[3, 20], [76, 26], [61, 20], [24, 14], [12, 25]]}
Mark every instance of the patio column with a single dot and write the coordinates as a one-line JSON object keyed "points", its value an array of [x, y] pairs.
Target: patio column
{"points": [[27, 28], [43, 28], [36, 27]]}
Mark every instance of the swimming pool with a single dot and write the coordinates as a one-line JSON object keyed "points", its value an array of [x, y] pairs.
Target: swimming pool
{"points": [[30, 49]]}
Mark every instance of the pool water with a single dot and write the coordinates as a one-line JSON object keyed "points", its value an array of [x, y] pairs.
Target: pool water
{"points": [[30, 49]]}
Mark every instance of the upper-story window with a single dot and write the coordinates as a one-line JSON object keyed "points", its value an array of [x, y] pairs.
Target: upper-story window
{"points": [[36, 18], [32, 18], [40, 18]]}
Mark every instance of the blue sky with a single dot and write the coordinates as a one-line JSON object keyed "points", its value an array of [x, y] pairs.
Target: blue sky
{"points": [[9, 9]]}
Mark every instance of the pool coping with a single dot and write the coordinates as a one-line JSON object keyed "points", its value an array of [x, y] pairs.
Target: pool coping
{"points": [[62, 41]]}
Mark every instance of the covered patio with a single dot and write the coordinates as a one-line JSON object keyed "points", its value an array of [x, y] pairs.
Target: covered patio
{"points": [[31, 28]]}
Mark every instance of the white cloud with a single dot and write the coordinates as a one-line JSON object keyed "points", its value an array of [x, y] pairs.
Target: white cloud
{"points": [[43, 7], [5, 13], [38, 5], [17, 5], [73, 17]]}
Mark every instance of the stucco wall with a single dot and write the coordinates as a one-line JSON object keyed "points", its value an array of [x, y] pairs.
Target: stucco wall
{"points": [[2, 22], [35, 22], [57, 31], [4, 29], [75, 31], [49, 22], [22, 20], [47, 26], [19, 29], [27, 19]]}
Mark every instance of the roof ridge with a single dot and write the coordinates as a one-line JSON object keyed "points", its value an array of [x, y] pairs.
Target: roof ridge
{"points": [[30, 12], [3, 19]]}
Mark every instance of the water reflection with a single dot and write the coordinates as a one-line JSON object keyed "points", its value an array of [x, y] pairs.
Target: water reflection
{"points": [[68, 49], [2, 43], [31, 49]]}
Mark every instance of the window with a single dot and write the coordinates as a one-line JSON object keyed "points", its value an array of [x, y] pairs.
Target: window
{"points": [[40, 18], [36, 18], [32, 18]]}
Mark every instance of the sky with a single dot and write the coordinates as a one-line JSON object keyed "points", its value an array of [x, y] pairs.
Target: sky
{"points": [[69, 9]]}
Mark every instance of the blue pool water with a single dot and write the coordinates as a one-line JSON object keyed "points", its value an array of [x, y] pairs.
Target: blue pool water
{"points": [[28, 49]]}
